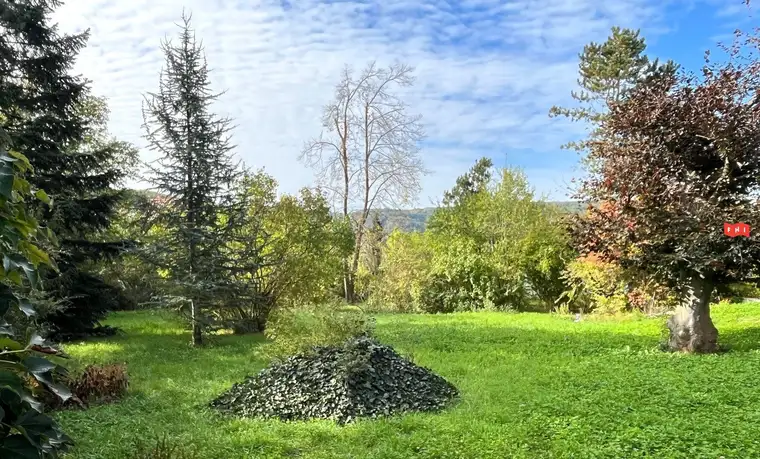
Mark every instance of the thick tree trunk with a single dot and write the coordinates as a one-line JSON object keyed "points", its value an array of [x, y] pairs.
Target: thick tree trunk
{"points": [[691, 328]]}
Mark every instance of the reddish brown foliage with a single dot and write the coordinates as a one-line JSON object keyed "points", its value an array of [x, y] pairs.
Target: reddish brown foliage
{"points": [[96, 384], [101, 383], [678, 158]]}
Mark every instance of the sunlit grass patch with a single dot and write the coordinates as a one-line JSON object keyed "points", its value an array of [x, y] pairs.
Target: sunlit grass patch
{"points": [[532, 386]]}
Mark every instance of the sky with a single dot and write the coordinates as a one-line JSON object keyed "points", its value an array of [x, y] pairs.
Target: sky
{"points": [[487, 71]]}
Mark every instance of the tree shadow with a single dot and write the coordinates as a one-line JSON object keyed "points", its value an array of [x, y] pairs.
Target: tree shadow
{"points": [[740, 340], [575, 339]]}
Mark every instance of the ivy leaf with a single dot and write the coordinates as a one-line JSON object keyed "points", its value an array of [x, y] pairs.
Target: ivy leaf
{"points": [[25, 165], [38, 344], [31, 273], [38, 365], [7, 299], [5, 328], [37, 340]]}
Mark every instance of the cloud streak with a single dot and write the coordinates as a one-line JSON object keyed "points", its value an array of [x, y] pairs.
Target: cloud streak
{"points": [[487, 70]]}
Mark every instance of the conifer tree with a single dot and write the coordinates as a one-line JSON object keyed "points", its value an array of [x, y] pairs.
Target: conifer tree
{"points": [[608, 71], [49, 114], [193, 173]]}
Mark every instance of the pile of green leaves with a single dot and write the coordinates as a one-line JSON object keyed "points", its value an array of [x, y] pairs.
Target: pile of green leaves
{"points": [[361, 378], [25, 432]]}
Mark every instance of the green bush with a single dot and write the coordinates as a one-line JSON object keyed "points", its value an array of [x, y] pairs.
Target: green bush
{"points": [[738, 291], [594, 285], [605, 287], [467, 287], [493, 245], [406, 262], [299, 330], [25, 431]]}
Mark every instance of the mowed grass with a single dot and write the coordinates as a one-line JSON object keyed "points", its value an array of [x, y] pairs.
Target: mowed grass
{"points": [[532, 386]]}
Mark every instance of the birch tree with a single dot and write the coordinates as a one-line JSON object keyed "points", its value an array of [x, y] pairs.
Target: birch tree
{"points": [[368, 153]]}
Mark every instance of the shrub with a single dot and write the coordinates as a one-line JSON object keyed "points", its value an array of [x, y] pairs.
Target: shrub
{"points": [[406, 262], [651, 297], [737, 291], [595, 285], [605, 287], [463, 291], [137, 280], [299, 330], [464, 280], [88, 299], [25, 431], [492, 245], [101, 383], [95, 384]]}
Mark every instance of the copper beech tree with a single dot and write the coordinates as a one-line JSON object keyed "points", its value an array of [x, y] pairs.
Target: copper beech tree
{"points": [[679, 157]]}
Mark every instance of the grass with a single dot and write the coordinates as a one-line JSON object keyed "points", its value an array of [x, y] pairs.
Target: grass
{"points": [[533, 386]]}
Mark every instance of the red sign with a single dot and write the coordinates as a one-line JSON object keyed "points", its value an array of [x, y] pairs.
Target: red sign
{"points": [[736, 229]]}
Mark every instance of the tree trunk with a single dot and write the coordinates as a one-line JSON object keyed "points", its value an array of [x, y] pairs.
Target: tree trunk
{"points": [[691, 328], [197, 336], [348, 287]]}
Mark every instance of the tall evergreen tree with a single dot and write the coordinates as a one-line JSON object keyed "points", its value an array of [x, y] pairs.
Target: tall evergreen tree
{"points": [[195, 170], [608, 71], [49, 114]]}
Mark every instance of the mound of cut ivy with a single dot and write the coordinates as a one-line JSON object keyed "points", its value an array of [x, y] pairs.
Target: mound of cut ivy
{"points": [[361, 378]]}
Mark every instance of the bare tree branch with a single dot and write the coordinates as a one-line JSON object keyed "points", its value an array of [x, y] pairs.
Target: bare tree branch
{"points": [[368, 153]]}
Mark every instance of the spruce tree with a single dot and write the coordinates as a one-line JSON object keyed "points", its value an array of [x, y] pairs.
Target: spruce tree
{"points": [[49, 114], [193, 173]]}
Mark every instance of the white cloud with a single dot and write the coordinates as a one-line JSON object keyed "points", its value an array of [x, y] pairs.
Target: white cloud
{"points": [[488, 71]]}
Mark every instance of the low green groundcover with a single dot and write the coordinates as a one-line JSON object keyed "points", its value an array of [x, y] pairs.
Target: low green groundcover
{"points": [[361, 378]]}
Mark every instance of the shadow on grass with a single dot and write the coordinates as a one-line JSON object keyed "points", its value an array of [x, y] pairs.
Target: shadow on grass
{"points": [[572, 340], [740, 340]]}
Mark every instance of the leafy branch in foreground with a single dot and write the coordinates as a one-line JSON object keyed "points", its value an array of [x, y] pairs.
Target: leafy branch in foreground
{"points": [[25, 431]]}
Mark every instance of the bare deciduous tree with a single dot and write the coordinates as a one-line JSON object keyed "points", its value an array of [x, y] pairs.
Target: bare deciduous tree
{"points": [[368, 154]]}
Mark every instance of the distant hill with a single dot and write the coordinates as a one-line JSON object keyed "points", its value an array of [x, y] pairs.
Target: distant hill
{"points": [[416, 219], [411, 219]]}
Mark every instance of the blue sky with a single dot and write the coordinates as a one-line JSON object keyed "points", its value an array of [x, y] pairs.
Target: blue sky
{"points": [[487, 70]]}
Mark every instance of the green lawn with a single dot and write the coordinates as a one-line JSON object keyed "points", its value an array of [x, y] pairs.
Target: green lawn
{"points": [[532, 386]]}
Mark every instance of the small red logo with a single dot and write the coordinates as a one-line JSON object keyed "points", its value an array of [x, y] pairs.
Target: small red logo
{"points": [[736, 229]]}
